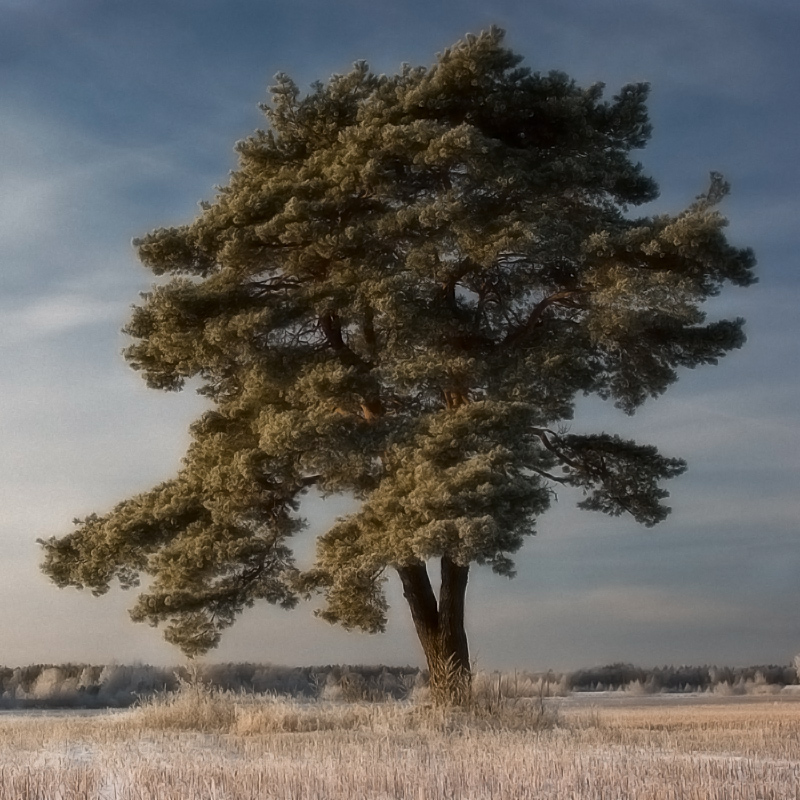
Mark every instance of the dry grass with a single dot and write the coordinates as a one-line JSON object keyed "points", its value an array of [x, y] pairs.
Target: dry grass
{"points": [[197, 707], [202, 745]]}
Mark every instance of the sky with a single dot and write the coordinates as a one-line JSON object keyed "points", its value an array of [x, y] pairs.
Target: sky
{"points": [[119, 117]]}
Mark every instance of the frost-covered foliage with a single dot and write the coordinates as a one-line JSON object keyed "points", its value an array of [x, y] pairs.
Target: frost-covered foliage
{"points": [[736, 680], [118, 685], [81, 685], [399, 295]]}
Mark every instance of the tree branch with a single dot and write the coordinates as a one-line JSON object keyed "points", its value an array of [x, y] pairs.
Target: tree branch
{"points": [[543, 434], [421, 599], [536, 315]]}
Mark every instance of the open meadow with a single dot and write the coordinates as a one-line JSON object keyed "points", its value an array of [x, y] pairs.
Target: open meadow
{"points": [[205, 744]]}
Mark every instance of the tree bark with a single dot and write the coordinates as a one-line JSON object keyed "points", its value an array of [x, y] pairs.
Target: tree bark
{"points": [[440, 627]]}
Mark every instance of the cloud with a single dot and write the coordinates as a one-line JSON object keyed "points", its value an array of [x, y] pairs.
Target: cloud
{"points": [[629, 605], [710, 48], [70, 200], [46, 317]]}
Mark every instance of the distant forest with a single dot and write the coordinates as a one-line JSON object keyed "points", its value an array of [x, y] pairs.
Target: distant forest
{"points": [[120, 686]]}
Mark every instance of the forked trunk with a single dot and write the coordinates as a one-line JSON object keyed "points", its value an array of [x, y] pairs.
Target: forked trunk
{"points": [[440, 627]]}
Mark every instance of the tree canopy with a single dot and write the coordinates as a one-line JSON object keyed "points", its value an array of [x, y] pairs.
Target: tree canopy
{"points": [[400, 294]]}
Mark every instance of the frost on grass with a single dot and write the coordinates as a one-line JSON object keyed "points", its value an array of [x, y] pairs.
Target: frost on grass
{"points": [[713, 752], [200, 707]]}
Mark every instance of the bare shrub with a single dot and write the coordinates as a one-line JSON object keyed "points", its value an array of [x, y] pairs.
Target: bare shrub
{"points": [[193, 707], [728, 688], [519, 685], [760, 685]]}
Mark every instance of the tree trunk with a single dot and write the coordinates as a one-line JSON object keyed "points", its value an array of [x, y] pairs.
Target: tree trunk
{"points": [[440, 627]]}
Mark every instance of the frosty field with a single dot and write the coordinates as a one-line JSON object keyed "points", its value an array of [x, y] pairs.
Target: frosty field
{"points": [[200, 745]]}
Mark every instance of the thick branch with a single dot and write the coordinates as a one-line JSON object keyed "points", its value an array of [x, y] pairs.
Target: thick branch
{"points": [[451, 611], [455, 398], [549, 475], [332, 328], [264, 287], [521, 331], [370, 338], [544, 435], [421, 599]]}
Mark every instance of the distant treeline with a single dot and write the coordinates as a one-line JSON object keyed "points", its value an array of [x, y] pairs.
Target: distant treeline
{"points": [[120, 686], [678, 679]]}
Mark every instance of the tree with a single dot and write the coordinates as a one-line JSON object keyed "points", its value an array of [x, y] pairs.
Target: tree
{"points": [[399, 295]]}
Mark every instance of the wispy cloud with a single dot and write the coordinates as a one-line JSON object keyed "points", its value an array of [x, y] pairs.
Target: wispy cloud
{"points": [[52, 316], [626, 605]]}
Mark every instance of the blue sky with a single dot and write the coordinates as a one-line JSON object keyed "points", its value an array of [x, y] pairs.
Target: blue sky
{"points": [[119, 117]]}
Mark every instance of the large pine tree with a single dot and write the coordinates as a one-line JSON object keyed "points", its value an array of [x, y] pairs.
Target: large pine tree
{"points": [[399, 295]]}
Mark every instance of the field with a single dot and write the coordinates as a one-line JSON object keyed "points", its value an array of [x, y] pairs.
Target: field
{"points": [[203, 744]]}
